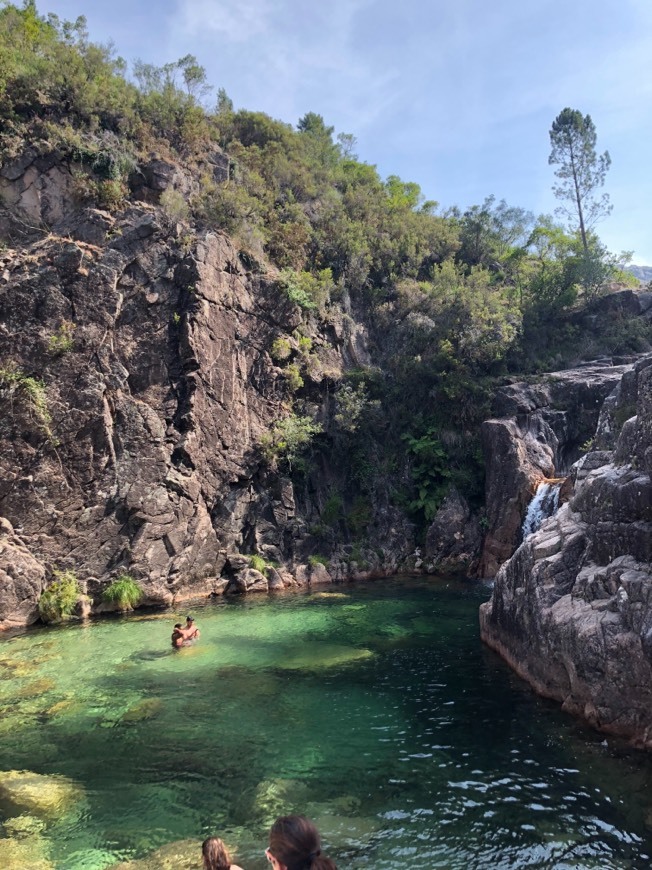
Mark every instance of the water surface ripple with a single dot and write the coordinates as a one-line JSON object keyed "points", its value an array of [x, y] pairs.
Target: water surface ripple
{"points": [[374, 709]]}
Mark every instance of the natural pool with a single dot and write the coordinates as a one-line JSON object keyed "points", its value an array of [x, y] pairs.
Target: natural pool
{"points": [[374, 709]]}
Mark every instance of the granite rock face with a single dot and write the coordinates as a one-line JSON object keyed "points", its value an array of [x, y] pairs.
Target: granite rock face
{"points": [[571, 610], [536, 434], [454, 537], [136, 382]]}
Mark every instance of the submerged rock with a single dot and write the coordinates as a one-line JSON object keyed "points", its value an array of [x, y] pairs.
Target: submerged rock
{"points": [[46, 796], [145, 709], [180, 855], [24, 854], [275, 797], [317, 656]]}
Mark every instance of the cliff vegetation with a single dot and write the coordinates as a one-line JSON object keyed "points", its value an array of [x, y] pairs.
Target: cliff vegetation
{"points": [[204, 305]]}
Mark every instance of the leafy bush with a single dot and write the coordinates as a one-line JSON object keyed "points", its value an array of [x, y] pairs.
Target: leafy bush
{"points": [[281, 349], [310, 292], [258, 563], [288, 438], [333, 509], [317, 560], [62, 341], [15, 383], [58, 601], [123, 592], [174, 205], [293, 378], [430, 471]]}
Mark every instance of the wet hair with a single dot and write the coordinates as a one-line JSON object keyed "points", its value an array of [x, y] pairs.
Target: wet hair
{"points": [[178, 625], [294, 841], [215, 854], [190, 618]]}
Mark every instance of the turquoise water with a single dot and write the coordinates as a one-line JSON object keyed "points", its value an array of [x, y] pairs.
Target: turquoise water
{"points": [[374, 709]]}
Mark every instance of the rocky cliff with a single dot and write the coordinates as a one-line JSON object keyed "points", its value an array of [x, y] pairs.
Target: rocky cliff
{"points": [[538, 430], [571, 611], [136, 384]]}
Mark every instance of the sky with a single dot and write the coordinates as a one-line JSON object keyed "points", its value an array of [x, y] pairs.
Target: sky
{"points": [[456, 95]]}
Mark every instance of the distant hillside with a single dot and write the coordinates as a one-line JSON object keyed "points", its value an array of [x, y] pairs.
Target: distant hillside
{"points": [[643, 273]]}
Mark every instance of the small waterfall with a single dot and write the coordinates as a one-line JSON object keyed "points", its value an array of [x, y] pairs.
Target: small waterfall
{"points": [[545, 502]]}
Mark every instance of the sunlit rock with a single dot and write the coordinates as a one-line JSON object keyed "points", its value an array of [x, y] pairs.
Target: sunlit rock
{"points": [[45, 796], [21, 827], [24, 854], [180, 855]]}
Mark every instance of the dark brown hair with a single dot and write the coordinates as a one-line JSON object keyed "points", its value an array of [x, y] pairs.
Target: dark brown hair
{"points": [[294, 841], [215, 854]]}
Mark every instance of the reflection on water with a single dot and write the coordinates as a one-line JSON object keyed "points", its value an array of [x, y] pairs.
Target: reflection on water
{"points": [[374, 709]]}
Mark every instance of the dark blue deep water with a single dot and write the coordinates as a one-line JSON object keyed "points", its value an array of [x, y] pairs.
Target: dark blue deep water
{"points": [[374, 709]]}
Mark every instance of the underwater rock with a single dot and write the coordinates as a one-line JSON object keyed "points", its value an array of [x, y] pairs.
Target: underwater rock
{"points": [[321, 655], [24, 855], [43, 795], [180, 855], [23, 826], [37, 688], [12, 668], [275, 797], [343, 831], [145, 709], [61, 707]]}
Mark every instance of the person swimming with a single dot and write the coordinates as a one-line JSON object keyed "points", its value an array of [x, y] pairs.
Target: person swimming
{"points": [[191, 630], [178, 636]]}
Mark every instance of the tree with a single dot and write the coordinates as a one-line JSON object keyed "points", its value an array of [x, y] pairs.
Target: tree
{"points": [[581, 171], [224, 103]]}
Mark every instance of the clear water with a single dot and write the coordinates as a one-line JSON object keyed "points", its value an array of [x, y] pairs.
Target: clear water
{"points": [[374, 709]]}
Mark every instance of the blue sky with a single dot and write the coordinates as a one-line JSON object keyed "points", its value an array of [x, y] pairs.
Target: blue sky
{"points": [[457, 95]]}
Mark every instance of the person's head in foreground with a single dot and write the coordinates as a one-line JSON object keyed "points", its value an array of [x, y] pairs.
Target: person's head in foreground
{"points": [[215, 854], [294, 844]]}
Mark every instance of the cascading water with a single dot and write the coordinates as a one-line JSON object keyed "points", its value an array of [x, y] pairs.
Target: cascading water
{"points": [[543, 505]]}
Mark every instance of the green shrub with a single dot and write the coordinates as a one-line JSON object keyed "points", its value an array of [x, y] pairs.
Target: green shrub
{"points": [[258, 563], [293, 377], [174, 205], [123, 592], [288, 438], [32, 391], [333, 509], [305, 344], [58, 601], [281, 349], [317, 560], [62, 341]]}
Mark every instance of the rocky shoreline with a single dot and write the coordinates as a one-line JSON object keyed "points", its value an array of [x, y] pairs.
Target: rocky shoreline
{"points": [[571, 611]]}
